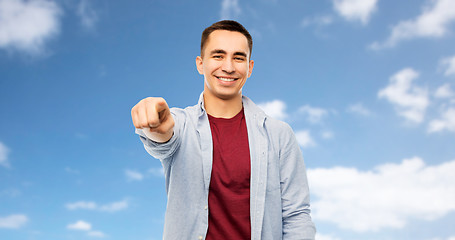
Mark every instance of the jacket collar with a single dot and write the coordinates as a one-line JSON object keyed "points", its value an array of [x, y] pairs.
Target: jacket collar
{"points": [[248, 105]]}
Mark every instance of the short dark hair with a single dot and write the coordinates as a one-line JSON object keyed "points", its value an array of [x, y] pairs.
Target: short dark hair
{"points": [[229, 25]]}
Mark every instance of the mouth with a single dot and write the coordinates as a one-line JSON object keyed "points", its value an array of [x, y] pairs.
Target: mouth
{"points": [[226, 79]]}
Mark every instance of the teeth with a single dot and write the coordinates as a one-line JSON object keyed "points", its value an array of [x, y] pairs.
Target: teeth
{"points": [[226, 79]]}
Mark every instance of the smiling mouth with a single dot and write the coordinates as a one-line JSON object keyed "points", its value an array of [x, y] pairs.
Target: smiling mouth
{"points": [[227, 79]]}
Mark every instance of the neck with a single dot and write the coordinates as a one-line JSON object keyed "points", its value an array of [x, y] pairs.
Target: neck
{"points": [[222, 108]]}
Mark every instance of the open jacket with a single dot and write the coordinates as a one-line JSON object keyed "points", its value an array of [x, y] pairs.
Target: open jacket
{"points": [[279, 195]]}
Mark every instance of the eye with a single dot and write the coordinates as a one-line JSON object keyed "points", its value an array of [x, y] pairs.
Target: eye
{"points": [[240, 59], [217, 56]]}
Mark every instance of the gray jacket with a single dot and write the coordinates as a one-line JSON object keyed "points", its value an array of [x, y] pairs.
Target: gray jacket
{"points": [[279, 195]]}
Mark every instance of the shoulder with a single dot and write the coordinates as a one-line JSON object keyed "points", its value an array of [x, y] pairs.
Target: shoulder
{"points": [[272, 125], [278, 126], [184, 116], [280, 132]]}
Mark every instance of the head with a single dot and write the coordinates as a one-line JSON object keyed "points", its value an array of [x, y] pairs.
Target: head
{"points": [[228, 25], [225, 60]]}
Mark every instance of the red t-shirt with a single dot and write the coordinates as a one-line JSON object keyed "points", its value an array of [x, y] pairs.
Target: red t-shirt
{"points": [[229, 193]]}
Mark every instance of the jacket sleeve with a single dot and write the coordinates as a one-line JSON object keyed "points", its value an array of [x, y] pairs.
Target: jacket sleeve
{"points": [[295, 196], [163, 151]]}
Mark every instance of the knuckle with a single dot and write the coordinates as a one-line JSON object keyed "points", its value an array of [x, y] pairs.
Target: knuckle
{"points": [[153, 122]]}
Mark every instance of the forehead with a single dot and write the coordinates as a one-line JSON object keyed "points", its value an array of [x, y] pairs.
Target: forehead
{"points": [[228, 41]]}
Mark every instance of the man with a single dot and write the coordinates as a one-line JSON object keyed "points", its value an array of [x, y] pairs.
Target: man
{"points": [[232, 172]]}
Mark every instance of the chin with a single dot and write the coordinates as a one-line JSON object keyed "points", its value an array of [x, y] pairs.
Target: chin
{"points": [[228, 96]]}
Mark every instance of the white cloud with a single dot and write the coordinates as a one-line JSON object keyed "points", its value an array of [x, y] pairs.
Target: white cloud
{"points": [[358, 108], [304, 139], [230, 9], [96, 234], [355, 10], [447, 122], [157, 172], [87, 227], [80, 225], [327, 134], [314, 114], [87, 14], [27, 25], [110, 207], [70, 170], [320, 236], [81, 205], [432, 23], [449, 65], [275, 109], [13, 221], [317, 20], [134, 175], [11, 192], [449, 238], [4, 151], [115, 206], [386, 197], [444, 91], [410, 101]]}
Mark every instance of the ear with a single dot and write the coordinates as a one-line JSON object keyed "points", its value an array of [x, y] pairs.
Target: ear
{"points": [[199, 65], [250, 70]]}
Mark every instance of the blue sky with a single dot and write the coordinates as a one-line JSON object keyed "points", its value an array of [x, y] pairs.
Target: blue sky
{"points": [[367, 85]]}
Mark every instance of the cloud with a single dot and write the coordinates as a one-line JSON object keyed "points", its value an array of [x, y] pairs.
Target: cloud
{"points": [[304, 139], [157, 172], [317, 21], [358, 108], [386, 197], [275, 109], [26, 26], [444, 91], [4, 151], [314, 114], [11, 192], [320, 236], [96, 234], [81, 205], [110, 207], [134, 175], [327, 134], [230, 9], [70, 170], [80, 225], [449, 238], [446, 122], [449, 65], [432, 23], [410, 101], [355, 10], [115, 206], [14, 221], [87, 227], [87, 14]]}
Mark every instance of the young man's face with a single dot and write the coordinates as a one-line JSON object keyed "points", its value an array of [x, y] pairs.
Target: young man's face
{"points": [[225, 64]]}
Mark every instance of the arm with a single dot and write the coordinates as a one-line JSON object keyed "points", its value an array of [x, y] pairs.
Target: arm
{"points": [[295, 196]]}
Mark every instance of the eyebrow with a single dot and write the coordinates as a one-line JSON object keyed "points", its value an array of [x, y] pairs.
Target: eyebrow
{"points": [[221, 51]]}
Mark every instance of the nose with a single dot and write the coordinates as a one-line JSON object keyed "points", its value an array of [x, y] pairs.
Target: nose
{"points": [[228, 66]]}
